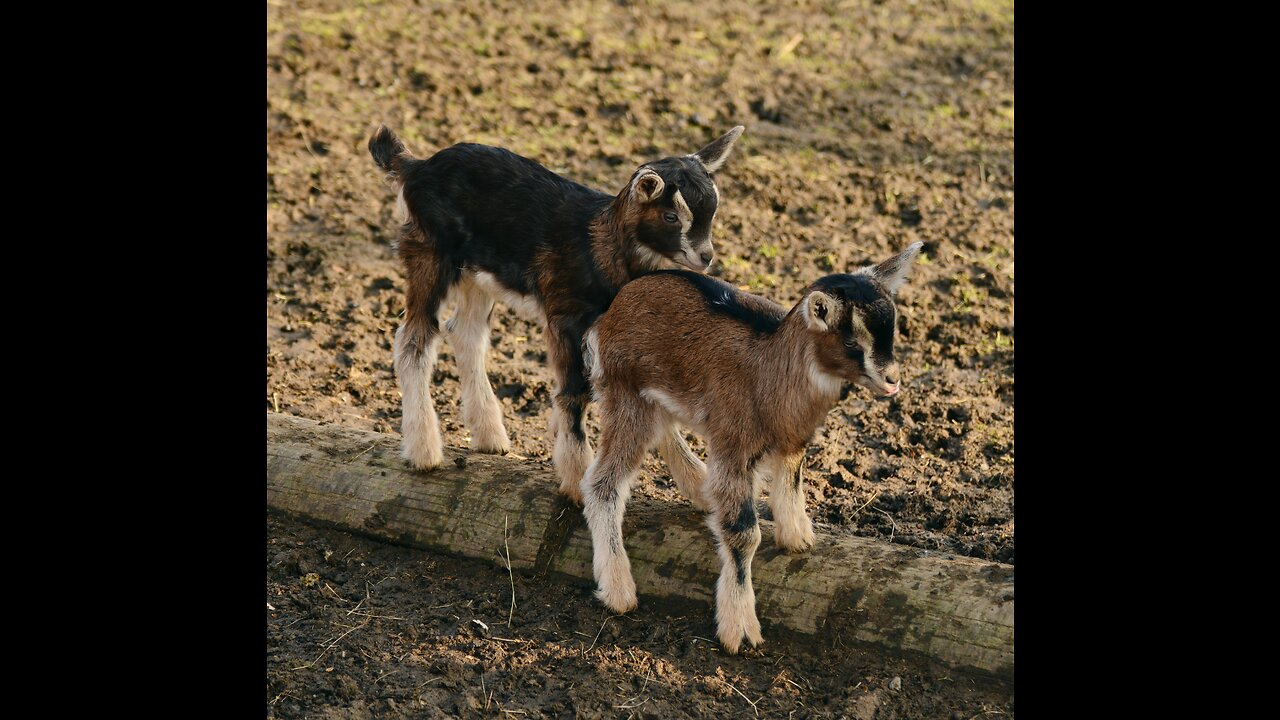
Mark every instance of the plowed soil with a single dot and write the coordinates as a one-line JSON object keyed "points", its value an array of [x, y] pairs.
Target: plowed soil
{"points": [[870, 125]]}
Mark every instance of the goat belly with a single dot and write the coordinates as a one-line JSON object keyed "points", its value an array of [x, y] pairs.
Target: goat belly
{"points": [[526, 306]]}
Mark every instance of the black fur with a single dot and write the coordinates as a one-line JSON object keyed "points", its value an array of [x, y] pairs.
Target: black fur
{"points": [[487, 209], [490, 209], [739, 564], [746, 519], [737, 533], [725, 299], [874, 305], [384, 146]]}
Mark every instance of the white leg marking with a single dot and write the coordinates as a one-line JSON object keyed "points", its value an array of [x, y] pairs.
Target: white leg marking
{"points": [[419, 426], [735, 601], [571, 456], [469, 335], [603, 509], [793, 530]]}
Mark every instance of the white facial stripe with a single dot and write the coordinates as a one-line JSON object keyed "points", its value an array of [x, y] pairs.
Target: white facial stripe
{"points": [[691, 257], [856, 326], [863, 338], [880, 375], [867, 364], [683, 212], [686, 221]]}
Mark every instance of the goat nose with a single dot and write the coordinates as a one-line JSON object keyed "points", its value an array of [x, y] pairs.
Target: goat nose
{"points": [[891, 380], [706, 256]]}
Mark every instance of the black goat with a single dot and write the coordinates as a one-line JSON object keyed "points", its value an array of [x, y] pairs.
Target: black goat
{"points": [[483, 222]]}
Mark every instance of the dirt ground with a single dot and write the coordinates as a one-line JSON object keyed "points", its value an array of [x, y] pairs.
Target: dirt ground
{"points": [[361, 629], [870, 125]]}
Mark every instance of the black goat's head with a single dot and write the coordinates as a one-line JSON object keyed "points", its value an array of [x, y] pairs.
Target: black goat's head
{"points": [[672, 203]]}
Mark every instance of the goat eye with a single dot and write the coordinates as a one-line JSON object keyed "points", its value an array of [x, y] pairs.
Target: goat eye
{"points": [[671, 218]]}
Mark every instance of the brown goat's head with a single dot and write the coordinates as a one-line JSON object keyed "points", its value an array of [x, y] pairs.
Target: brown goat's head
{"points": [[855, 321]]}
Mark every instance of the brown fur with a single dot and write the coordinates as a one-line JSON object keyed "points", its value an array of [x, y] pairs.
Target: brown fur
{"points": [[421, 271], [659, 335], [755, 381], [614, 245]]}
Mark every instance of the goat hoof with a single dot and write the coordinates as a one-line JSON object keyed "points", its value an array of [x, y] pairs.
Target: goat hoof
{"points": [[731, 637], [488, 435], [796, 547], [423, 460], [619, 600], [795, 539], [491, 446], [573, 493], [732, 648]]}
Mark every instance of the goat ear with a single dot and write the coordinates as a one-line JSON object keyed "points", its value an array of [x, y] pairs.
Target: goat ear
{"points": [[820, 310], [714, 155], [648, 185], [892, 273]]}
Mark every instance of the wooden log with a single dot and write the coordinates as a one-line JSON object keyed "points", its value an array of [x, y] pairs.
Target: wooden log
{"points": [[955, 610]]}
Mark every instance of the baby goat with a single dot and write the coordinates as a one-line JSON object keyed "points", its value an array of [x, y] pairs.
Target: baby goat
{"points": [[484, 222], [755, 381]]}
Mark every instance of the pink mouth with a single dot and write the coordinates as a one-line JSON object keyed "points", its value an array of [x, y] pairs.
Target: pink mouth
{"points": [[893, 390]]}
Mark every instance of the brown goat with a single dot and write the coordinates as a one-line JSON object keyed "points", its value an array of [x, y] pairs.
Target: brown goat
{"points": [[754, 381]]}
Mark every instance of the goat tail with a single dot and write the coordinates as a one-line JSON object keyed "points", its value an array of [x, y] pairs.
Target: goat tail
{"points": [[391, 155], [388, 151]]}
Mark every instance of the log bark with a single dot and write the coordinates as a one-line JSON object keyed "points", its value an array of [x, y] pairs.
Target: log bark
{"points": [[955, 610]]}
